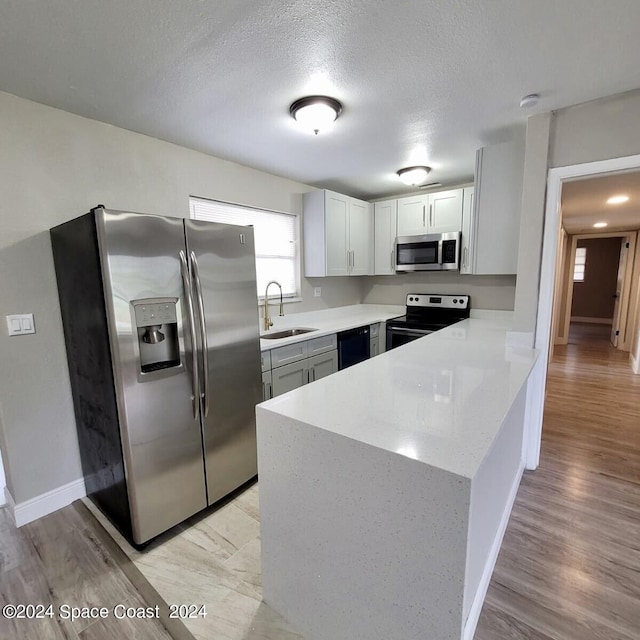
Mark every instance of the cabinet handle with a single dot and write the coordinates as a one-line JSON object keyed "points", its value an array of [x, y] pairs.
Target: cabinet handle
{"points": [[423, 214], [464, 257], [353, 259], [270, 388], [392, 265], [431, 215]]}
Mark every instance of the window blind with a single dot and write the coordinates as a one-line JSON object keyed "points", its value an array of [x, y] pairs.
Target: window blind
{"points": [[579, 265], [275, 240]]}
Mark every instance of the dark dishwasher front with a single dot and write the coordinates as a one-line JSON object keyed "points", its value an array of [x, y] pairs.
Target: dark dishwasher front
{"points": [[353, 346]]}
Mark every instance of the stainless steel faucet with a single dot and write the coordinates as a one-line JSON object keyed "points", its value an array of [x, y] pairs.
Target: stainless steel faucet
{"points": [[267, 318]]}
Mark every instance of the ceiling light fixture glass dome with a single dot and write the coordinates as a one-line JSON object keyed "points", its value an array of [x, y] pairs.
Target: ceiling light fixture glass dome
{"points": [[413, 176], [315, 112]]}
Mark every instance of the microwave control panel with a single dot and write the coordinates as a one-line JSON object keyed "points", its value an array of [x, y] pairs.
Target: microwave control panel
{"points": [[449, 251]]}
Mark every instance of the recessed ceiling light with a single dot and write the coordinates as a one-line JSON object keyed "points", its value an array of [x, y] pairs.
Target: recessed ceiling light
{"points": [[413, 175], [315, 112], [529, 101], [617, 199], [599, 225]]}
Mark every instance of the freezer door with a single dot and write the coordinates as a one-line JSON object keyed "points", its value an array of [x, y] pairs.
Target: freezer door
{"points": [[224, 272], [160, 430]]}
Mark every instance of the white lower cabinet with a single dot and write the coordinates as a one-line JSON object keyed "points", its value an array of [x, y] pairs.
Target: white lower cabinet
{"points": [[289, 377], [324, 364], [303, 362], [267, 388]]}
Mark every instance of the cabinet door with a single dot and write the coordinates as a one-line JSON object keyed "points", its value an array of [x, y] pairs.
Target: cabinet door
{"points": [[267, 390], [337, 233], [322, 365], [375, 347], [498, 200], [412, 215], [466, 247], [360, 237], [445, 211], [385, 216], [289, 377]]}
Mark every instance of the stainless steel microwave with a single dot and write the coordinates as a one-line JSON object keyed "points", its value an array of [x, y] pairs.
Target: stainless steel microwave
{"points": [[433, 252]]}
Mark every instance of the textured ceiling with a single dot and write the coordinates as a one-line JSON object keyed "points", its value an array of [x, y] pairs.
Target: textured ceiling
{"points": [[584, 202], [422, 81]]}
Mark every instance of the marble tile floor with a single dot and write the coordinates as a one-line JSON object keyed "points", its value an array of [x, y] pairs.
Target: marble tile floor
{"points": [[212, 559]]}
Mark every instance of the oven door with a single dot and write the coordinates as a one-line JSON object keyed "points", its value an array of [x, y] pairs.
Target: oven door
{"points": [[397, 336], [419, 253]]}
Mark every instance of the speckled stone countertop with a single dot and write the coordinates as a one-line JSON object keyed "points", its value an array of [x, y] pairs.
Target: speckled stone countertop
{"points": [[440, 400], [327, 321]]}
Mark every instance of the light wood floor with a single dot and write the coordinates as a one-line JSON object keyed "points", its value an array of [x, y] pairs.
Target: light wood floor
{"points": [[67, 559], [569, 567]]}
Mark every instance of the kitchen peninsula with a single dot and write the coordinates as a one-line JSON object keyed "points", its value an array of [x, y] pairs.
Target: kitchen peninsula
{"points": [[386, 487]]}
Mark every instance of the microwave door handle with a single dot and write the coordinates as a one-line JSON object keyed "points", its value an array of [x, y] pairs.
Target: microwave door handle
{"points": [[186, 284], [203, 335], [440, 252]]}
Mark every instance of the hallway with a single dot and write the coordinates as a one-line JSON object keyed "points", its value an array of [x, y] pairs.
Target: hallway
{"points": [[569, 567]]}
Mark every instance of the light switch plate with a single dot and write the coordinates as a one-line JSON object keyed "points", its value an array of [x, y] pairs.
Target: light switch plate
{"points": [[21, 325]]}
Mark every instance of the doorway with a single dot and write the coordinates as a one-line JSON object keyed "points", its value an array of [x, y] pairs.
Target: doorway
{"points": [[555, 237]]}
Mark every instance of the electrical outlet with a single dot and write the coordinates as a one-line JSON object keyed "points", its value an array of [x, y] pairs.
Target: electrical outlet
{"points": [[317, 292]]}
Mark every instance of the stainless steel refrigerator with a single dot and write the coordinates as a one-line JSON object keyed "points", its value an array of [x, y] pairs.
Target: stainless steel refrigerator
{"points": [[161, 328]]}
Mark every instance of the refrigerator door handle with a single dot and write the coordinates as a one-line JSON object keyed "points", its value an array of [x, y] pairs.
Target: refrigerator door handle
{"points": [[184, 270], [203, 335]]}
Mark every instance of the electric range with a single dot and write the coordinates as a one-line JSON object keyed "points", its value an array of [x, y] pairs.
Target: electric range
{"points": [[426, 313]]}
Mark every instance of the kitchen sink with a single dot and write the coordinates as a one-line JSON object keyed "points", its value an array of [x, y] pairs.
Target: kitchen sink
{"points": [[286, 333]]}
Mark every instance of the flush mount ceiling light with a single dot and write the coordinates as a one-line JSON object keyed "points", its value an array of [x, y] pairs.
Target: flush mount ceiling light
{"points": [[599, 225], [315, 112], [413, 175], [617, 199]]}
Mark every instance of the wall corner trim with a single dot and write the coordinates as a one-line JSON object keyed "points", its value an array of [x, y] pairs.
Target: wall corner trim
{"points": [[46, 503]]}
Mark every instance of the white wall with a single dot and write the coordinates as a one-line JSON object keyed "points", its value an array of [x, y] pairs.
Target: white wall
{"points": [[55, 166], [487, 292], [596, 130]]}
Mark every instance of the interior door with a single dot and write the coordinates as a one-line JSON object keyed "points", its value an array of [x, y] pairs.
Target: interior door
{"points": [[224, 273], [161, 437], [622, 268]]}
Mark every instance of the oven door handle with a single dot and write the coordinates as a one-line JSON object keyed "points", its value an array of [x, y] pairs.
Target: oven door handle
{"points": [[410, 332]]}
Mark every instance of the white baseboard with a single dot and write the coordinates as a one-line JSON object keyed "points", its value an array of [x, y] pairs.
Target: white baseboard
{"points": [[635, 363], [42, 505], [8, 500], [608, 321], [481, 592]]}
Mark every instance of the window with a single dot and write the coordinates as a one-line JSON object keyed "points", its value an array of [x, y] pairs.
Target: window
{"points": [[275, 239], [579, 264]]}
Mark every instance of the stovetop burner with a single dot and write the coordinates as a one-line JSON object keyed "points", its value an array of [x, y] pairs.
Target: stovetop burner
{"points": [[433, 311]]}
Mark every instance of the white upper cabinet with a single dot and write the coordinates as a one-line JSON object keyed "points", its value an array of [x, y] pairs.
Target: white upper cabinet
{"points": [[445, 211], [494, 214], [384, 220], [338, 235], [412, 215], [360, 237], [466, 248], [433, 213]]}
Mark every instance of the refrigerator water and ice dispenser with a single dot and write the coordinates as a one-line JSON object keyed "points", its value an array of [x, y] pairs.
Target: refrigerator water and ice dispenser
{"points": [[157, 330]]}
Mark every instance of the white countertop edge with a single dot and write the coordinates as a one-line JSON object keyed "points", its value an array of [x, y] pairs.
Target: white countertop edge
{"points": [[464, 454], [328, 321]]}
